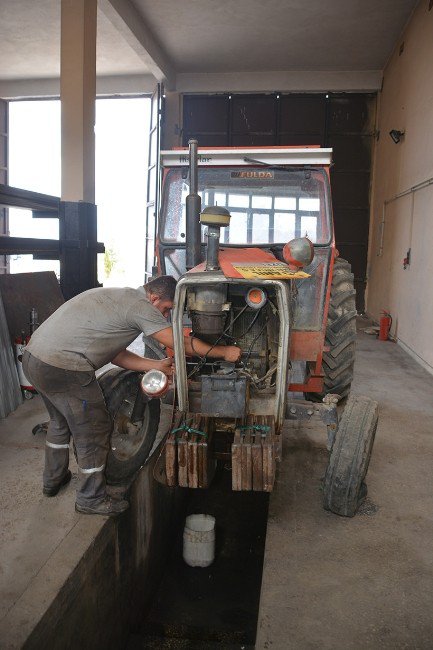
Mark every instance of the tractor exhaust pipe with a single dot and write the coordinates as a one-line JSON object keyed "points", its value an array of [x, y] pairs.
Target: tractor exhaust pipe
{"points": [[193, 209]]}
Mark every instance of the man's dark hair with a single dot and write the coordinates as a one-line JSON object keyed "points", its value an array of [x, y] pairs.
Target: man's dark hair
{"points": [[163, 287]]}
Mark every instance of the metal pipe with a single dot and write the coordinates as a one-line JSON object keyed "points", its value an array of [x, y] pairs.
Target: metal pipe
{"points": [[193, 166], [193, 209], [213, 246], [411, 190]]}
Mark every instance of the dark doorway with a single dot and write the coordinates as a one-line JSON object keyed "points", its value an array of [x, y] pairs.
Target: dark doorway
{"points": [[344, 122]]}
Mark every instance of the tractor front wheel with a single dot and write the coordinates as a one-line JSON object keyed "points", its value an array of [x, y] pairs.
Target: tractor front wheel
{"points": [[344, 488], [135, 423]]}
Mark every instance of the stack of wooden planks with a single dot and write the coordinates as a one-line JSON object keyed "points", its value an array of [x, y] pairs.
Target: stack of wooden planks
{"points": [[188, 458], [255, 450]]}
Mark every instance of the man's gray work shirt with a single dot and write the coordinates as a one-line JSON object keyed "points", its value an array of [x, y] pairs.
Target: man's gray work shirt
{"points": [[89, 330]]}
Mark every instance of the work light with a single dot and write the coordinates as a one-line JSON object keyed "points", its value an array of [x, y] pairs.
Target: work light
{"points": [[154, 383]]}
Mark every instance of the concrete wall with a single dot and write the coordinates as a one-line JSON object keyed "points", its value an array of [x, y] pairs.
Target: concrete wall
{"points": [[106, 594], [406, 103]]}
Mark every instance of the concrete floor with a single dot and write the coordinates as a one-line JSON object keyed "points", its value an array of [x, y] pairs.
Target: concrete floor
{"points": [[366, 582], [328, 582]]}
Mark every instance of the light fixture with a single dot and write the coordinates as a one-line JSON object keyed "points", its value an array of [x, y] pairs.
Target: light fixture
{"points": [[154, 383], [396, 135], [298, 253]]}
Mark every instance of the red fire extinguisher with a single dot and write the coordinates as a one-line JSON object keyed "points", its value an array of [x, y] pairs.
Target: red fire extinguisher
{"points": [[385, 325]]}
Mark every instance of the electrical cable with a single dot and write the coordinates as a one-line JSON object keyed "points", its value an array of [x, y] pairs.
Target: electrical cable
{"points": [[254, 340], [250, 325], [203, 359]]}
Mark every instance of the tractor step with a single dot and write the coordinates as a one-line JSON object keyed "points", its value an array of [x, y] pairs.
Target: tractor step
{"points": [[255, 450]]}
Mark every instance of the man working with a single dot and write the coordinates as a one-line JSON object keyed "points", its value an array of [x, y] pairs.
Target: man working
{"points": [[88, 331]]}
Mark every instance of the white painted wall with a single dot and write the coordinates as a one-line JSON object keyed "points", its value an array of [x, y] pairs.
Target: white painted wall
{"points": [[406, 103]]}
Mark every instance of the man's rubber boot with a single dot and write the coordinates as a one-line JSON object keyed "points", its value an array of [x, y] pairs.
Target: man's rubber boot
{"points": [[52, 491], [108, 507]]}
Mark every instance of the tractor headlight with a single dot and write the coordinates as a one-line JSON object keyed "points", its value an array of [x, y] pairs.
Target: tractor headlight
{"points": [[298, 253], [154, 383]]}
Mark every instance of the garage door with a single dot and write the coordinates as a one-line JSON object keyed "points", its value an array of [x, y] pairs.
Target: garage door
{"points": [[344, 122]]}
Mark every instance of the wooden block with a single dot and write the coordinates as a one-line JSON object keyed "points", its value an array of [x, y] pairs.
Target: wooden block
{"points": [[268, 447], [257, 462], [171, 460], [278, 447], [211, 464], [203, 452], [237, 462], [267, 464], [182, 456], [202, 448], [192, 461], [202, 461], [247, 477]]}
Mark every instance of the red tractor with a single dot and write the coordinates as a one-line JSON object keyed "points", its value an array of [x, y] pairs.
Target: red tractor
{"points": [[249, 234]]}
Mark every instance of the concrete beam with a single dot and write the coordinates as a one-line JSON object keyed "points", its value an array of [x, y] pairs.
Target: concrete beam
{"points": [[285, 81], [108, 85], [129, 22], [77, 94]]}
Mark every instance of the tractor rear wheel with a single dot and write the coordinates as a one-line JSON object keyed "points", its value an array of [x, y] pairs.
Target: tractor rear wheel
{"points": [[135, 423], [340, 334], [344, 488]]}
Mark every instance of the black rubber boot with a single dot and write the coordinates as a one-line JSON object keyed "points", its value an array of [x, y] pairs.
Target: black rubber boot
{"points": [[52, 491], [109, 507]]}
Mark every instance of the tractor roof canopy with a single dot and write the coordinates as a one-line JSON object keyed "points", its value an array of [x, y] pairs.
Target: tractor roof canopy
{"points": [[236, 156]]}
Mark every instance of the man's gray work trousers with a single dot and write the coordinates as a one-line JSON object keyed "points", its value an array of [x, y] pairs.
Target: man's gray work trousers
{"points": [[76, 407]]}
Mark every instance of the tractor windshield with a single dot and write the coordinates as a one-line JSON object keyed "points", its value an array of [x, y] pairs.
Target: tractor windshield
{"points": [[267, 206]]}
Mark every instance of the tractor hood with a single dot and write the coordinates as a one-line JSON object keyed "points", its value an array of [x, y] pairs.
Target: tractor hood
{"points": [[250, 264]]}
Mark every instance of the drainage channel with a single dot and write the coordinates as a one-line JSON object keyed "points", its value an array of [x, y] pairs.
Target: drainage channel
{"points": [[217, 606]]}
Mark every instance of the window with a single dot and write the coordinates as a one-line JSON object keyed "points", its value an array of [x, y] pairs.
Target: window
{"points": [[271, 211], [121, 165]]}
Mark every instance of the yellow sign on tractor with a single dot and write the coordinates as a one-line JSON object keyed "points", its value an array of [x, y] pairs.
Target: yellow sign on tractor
{"points": [[268, 271]]}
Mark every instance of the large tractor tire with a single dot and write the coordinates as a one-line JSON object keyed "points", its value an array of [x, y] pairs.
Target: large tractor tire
{"points": [[340, 334], [344, 486], [135, 423]]}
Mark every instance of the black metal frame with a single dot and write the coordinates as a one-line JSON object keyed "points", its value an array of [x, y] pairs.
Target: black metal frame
{"points": [[77, 246]]}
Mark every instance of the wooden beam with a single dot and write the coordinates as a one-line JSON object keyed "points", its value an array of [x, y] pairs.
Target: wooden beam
{"points": [[129, 22]]}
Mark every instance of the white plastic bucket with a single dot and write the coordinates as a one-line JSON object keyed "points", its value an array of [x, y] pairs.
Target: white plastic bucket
{"points": [[199, 540]]}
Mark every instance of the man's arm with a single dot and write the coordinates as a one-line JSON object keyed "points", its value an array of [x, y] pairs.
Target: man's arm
{"points": [[131, 361], [196, 347]]}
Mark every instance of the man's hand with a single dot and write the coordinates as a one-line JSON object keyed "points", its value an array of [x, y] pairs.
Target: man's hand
{"points": [[166, 366], [232, 353]]}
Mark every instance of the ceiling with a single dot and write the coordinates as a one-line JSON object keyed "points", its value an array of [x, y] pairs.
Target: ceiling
{"points": [[168, 37], [250, 35]]}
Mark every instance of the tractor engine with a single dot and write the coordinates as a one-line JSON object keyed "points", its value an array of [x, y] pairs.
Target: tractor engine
{"points": [[225, 315]]}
